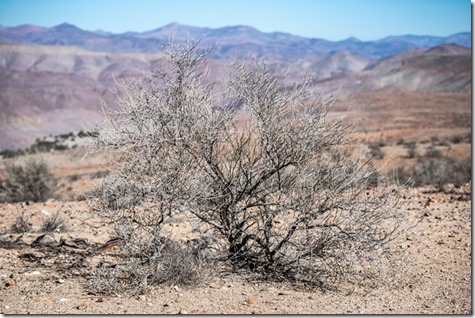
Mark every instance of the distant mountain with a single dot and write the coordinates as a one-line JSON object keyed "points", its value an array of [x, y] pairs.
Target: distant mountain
{"points": [[53, 79], [57, 89], [232, 41], [443, 68]]}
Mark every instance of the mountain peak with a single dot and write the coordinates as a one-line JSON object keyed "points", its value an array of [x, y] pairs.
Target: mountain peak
{"points": [[66, 26], [172, 25], [449, 49], [351, 39]]}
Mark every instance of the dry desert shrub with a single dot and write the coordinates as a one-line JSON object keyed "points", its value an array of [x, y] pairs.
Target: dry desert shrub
{"points": [[31, 181], [55, 223], [22, 224], [285, 193], [152, 262], [437, 170]]}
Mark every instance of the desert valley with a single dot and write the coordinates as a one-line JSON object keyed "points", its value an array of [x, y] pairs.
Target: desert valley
{"points": [[408, 99]]}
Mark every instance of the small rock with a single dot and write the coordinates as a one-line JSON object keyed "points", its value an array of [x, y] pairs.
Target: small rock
{"points": [[285, 293], [176, 288], [10, 282], [250, 301], [166, 305], [81, 307], [12, 276], [60, 281], [7, 307], [36, 273], [63, 299], [182, 312], [99, 300], [214, 286], [44, 240]]}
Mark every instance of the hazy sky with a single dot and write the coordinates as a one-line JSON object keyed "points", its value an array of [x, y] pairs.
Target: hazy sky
{"points": [[327, 19]]}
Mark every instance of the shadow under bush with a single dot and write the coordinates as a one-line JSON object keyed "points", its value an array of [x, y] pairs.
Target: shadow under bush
{"points": [[162, 262]]}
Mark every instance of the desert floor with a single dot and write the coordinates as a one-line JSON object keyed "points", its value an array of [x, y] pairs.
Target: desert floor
{"points": [[435, 278]]}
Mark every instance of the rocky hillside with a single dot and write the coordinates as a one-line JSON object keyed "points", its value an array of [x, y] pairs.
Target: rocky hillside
{"points": [[58, 88]]}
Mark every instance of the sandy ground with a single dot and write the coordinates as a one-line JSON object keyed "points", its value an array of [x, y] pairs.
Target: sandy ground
{"points": [[435, 280]]}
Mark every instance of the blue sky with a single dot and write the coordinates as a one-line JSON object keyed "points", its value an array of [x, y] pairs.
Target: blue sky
{"points": [[327, 19]]}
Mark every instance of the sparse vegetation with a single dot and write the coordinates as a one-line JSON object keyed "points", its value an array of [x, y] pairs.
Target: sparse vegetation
{"points": [[283, 194], [31, 181], [22, 224], [45, 145], [456, 139], [437, 171], [375, 150], [55, 223], [157, 260], [411, 149]]}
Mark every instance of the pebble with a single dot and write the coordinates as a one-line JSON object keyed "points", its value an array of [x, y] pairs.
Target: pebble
{"points": [[10, 282], [250, 301], [63, 299], [285, 293], [81, 307], [214, 286], [60, 281], [36, 273]]}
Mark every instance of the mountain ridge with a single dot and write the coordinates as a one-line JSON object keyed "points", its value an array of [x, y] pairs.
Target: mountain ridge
{"points": [[53, 79], [230, 38]]}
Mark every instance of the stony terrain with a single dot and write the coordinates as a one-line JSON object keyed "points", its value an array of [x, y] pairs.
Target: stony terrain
{"points": [[435, 276]]}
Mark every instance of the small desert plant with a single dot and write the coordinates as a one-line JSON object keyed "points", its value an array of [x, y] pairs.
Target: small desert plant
{"points": [[432, 152], [456, 139], [437, 171], [411, 149], [55, 223], [22, 224], [285, 193], [161, 261], [31, 181], [400, 141], [375, 150]]}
